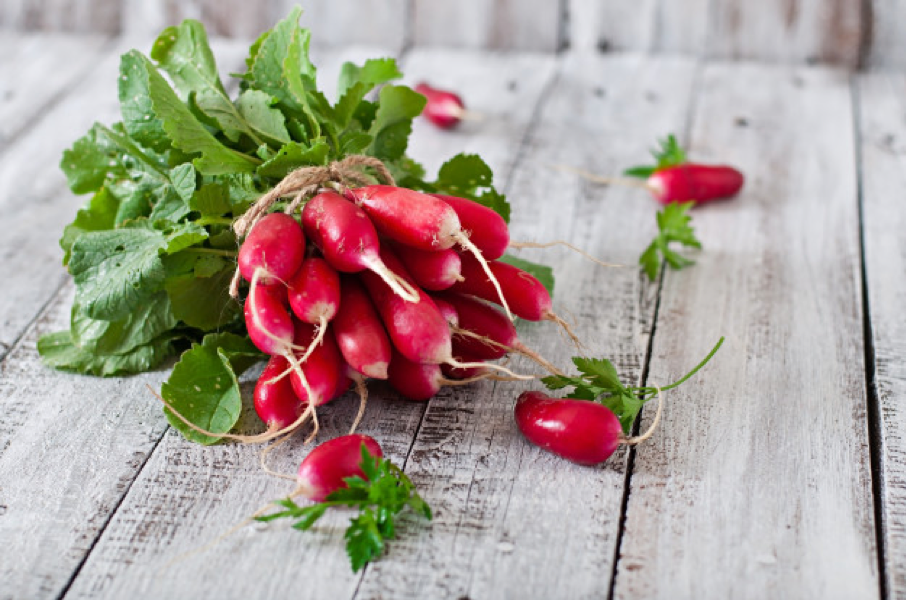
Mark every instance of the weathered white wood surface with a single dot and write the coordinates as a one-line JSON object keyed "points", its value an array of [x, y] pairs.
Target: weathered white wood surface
{"points": [[841, 32], [883, 152], [514, 521], [786, 31], [758, 484], [25, 88]]}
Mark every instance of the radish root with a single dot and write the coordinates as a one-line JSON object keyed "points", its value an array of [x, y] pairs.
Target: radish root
{"points": [[463, 240], [521, 245], [632, 441]]}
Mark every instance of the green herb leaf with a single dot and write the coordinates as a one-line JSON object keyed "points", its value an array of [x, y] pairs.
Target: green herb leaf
{"points": [[468, 176], [58, 351], [673, 226], [668, 154], [203, 302], [292, 156], [392, 124], [380, 495], [148, 321]]}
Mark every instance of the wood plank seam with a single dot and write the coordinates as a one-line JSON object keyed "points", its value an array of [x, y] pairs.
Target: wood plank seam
{"points": [[873, 412]]}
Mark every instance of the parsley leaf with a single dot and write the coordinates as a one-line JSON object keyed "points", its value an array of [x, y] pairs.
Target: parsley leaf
{"points": [[598, 381], [673, 226], [383, 493], [668, 154]]}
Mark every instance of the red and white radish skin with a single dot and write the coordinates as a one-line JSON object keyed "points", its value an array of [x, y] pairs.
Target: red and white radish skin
{"points": [[314, 291], [269, 324], [348, 239], [442, 108], [694, 182], [417, 220], [415, 381], [417, 330], [275, 401], [447, 310], [486, 228], [322, 472], [359, 333], [581, 431], [432, 270], [527, 297], [274, 248], [323, 370]]}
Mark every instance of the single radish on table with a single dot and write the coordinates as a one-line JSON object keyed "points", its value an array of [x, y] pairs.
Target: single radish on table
{"points": [[443, 108], [350, 471]]}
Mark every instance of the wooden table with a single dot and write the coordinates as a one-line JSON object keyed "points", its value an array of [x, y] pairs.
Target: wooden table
{"points": [[777, 472]]}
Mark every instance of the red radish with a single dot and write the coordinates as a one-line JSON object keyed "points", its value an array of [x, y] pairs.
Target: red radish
{"points": [[486, 228], [430, 270], [696, 182], [417, 330], [323, 370], [578, 430], [359, 332], [484, 333], [268, 322], [322, 472], [314, 291], [465, 373], [444, 109], [348, 240], [415, 381], [417, 220], [275, 401], [528, 298], [275, 245], [447, 310]]}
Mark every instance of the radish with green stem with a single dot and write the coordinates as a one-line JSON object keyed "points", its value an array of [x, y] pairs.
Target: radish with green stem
{"points": [[442, 108]]}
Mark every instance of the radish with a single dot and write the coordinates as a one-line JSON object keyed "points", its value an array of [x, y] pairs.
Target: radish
{"points": [[322, 472], [418, 220], [269, 324], [581, 431], [487, 229], [468, 372], [314, 292], [275, 246], [415, 381], [418, 330], [324, 368], [275, 401], [359, 333], [430, 270], [444, 109], [447, 310], [694, 182], [348, 240]]}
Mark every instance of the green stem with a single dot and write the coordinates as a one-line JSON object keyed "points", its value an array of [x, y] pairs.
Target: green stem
{"points": [[227, 253], [213, 221], [686, 377]]}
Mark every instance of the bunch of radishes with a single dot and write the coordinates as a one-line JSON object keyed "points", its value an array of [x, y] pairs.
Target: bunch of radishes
{"points": [[380, 282]]}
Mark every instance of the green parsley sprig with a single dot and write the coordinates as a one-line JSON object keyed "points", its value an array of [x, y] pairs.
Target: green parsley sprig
{"points": [[667, 154], [673, 226], [598, 381], [380, 496]]}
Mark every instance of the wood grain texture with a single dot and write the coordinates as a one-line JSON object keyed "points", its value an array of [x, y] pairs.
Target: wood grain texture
{"points": [[502, 24], [783, 31], [77, 16], [513, 520], [26, 90], [883, 151], [70, 447], [887, 43], [760, 471]]}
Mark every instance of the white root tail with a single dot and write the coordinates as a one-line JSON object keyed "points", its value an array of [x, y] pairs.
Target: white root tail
{"points": [[632, 441], [463, 240]]}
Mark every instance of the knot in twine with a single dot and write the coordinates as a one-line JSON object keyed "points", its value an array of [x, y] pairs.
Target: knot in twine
{"points": [[303, 183]]}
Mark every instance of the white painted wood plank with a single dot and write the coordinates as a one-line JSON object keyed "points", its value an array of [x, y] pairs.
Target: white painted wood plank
{"points": [[504, 103], [883, 152], [782, 31], [758, 483], [513, 520], [502, 24], [888, 44], [36, 69], [70, 447], [81, 16]]}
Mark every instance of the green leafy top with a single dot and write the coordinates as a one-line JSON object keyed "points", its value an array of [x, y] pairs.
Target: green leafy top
{"points": [[380, 496], [668, 154], [598, 381], [673, 226]]}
